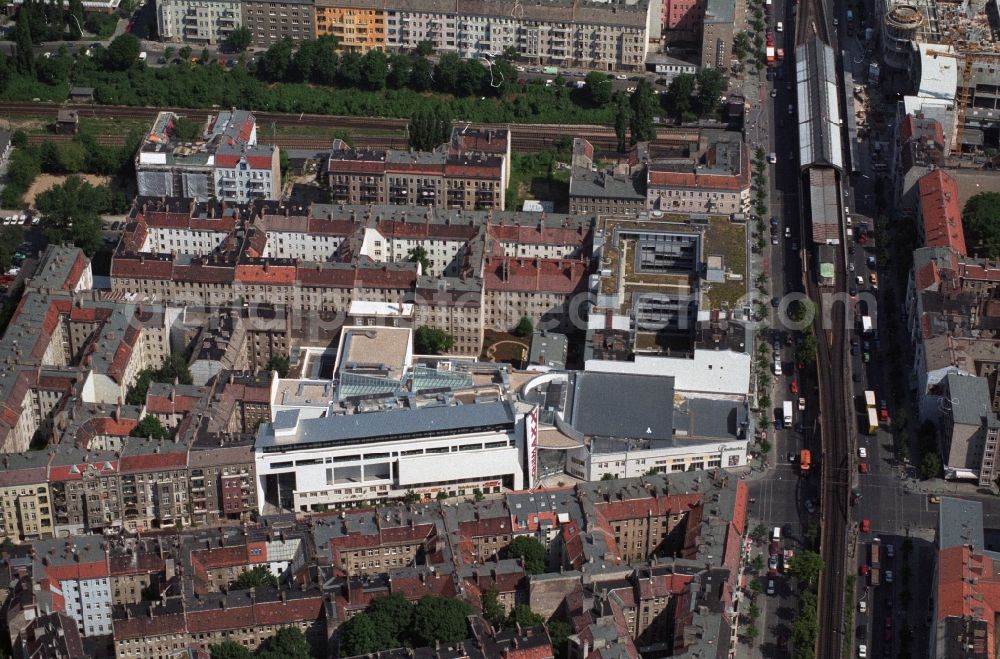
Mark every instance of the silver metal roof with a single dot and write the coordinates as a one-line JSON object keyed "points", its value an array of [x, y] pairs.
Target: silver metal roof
{"points": [[818, 110]]}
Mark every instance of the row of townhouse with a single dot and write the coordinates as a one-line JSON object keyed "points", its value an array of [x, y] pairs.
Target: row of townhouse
{"points": [[160, 594], [484, 269], [952, 317], [98, 477], [603, 35], [713, 178]]}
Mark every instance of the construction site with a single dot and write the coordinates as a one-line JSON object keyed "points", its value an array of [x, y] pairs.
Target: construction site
{"points": [[951, 53]]}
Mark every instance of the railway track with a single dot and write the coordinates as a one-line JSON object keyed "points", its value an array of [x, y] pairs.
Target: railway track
{"points": [[524, 137]]}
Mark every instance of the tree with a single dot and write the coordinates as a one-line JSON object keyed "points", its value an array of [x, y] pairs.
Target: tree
{"points": [[623, 114], [419, 255], [750, 632], [410, 497], [679, 96], [478, 495], [186, 130], [759, 533], [441, 495], [522, 615], [206, 56], [806, 352], [599, 88], [806, 566], [278, 363], [75, 18], [288, 643], [350, 74], [150, 427], [930, 466], [374, 69], [757, 564], [524, 328], [440, 619], [493, 611], [258, 577], [422, 75], [184, 53], [644, 105], [239, 40], [432, 341], [174, 368], [981, 222], [393, 613], [711, 84], [424, 49], [277, 59], [447, 72], [399, 71], [229, 650], [742, 46], [529, 550], [122, 53], [24, 56], [559, 633], [362, 635], [71, 212], [608, 477]]}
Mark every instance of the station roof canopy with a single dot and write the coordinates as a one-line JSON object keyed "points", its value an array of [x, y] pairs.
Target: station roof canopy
{"points": [[818, 110]]}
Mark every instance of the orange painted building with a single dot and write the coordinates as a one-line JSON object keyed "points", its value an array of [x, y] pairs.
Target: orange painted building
{"points": [[357, 28]]}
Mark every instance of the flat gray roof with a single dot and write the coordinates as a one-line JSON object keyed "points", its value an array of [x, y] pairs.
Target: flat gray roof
{"points": [[623, 405], [960, 522], [381, 426]]}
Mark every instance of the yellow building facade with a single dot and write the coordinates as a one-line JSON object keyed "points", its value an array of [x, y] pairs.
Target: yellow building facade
{"points": [[356, 28]]}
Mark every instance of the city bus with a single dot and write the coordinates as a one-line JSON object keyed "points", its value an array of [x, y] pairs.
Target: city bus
{"points": [[872, 420], [870, 399]]}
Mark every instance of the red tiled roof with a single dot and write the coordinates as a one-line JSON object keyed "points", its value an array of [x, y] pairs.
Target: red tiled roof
{"points": [[639, 508], [696, 179], [927, 276], [534, 652], [76, 571], [145, 626], [153, 462], [536, 275], [139, 267], [942, 217], [230, 160], [265, 274]]}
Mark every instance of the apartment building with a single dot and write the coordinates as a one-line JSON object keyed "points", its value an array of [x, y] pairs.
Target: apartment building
{"points": [[619, 189], [358, 25], [208, 22], [74, 579], [469, 182], [224, 162], [609, 36], [270, 22], [482, 268], [950, 303], [969, 430], [26, 508], [939, 216], [919, 149], [714, 180], [682, 20]]}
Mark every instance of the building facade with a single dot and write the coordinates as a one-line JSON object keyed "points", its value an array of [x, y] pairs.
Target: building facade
{"points": [[208, 22], [357, 26], [468, 182], [270, 22]]}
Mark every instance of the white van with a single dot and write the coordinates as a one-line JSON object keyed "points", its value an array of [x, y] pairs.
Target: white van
{"points": [[776, 536]]}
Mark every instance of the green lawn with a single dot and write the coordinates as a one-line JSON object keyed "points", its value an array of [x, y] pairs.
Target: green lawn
{"points": [[727, 239]]}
